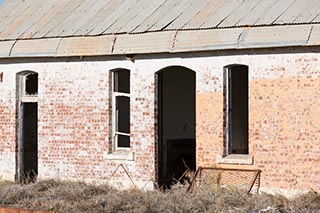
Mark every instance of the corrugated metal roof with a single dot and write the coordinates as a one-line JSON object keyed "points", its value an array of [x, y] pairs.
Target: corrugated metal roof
{"points": [[103, 27], [165, 42], [56, 18]]}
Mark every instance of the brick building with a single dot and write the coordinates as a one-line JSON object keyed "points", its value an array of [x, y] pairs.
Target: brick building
{"points": [[88, 85]]}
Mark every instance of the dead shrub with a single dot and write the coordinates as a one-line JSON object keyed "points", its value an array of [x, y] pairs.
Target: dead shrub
{"points": [[67, 196]]}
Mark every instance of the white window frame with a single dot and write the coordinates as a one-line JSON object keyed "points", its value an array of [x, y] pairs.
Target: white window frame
{"points": [[115, 133]]}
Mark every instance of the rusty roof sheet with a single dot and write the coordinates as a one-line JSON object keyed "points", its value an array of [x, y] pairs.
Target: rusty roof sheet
{"points": [[81, 46], [165, 42], [41, 47], [141, 26], [55, 18], [275, 37]]}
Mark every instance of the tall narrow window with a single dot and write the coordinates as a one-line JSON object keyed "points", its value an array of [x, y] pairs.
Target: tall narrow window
{"points": [[236, 105], [27, 126], [121, 109]]}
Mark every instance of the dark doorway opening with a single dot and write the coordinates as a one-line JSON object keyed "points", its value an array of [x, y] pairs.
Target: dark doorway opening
{"points": [[176, 123], [29, 142]]}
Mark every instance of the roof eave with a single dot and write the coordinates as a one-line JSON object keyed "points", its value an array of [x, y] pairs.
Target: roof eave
{"points": [[165, 42]]}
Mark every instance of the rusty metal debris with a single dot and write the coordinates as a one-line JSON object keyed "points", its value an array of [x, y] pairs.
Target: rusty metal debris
{"points": [[227, 178], [126, 172]]}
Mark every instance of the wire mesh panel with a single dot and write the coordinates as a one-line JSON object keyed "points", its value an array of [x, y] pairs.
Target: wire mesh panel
{"points": [[227, 178]]}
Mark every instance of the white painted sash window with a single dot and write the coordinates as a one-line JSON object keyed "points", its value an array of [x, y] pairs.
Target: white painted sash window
{"points": [[121, 109]]}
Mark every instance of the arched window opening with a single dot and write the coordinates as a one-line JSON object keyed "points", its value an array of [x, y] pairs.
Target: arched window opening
{"points": [[121, 109], [27, 126]]}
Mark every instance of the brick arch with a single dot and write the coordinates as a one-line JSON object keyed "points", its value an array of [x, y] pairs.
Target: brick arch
{"points": [[174, 67]]}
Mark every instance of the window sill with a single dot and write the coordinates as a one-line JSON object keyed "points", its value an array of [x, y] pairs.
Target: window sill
{"points": [[235, 159], [29, 98], [119, 155]]}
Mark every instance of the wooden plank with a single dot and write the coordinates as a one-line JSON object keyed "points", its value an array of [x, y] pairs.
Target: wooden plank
{"points": [[244, 8], [256, 13], [200, 18], [98, 18], [194, 8], [275, 11], [116, 13], [293, 12], [223, 12]]}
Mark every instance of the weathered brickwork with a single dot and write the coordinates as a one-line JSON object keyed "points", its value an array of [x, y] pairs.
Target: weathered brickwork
{"points": [[7, 127], [284, 120], [286, 131], [74, 117]]}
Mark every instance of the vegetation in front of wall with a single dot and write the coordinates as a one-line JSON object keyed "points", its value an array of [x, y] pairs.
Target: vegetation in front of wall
{"points": [[68, 196]]}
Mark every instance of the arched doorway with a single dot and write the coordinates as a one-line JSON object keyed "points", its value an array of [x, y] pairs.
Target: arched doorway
{"points": [[175, 123]]}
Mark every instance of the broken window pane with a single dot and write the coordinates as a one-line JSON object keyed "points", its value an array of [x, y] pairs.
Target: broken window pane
{"points": [[31, 84], [122, 81], [123, 114], [123, 141], [121, 111]]}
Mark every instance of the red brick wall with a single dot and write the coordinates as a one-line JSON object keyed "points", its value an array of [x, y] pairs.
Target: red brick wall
{"points": [[74, 121], [284, 121], [285, 131], [7, 129]]}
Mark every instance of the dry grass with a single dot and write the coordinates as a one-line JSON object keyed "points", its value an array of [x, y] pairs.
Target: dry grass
{"points": [[80, 197]]}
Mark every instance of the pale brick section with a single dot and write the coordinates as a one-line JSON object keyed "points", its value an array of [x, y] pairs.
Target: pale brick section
{"points": [[7, 126], [74, 117]]}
